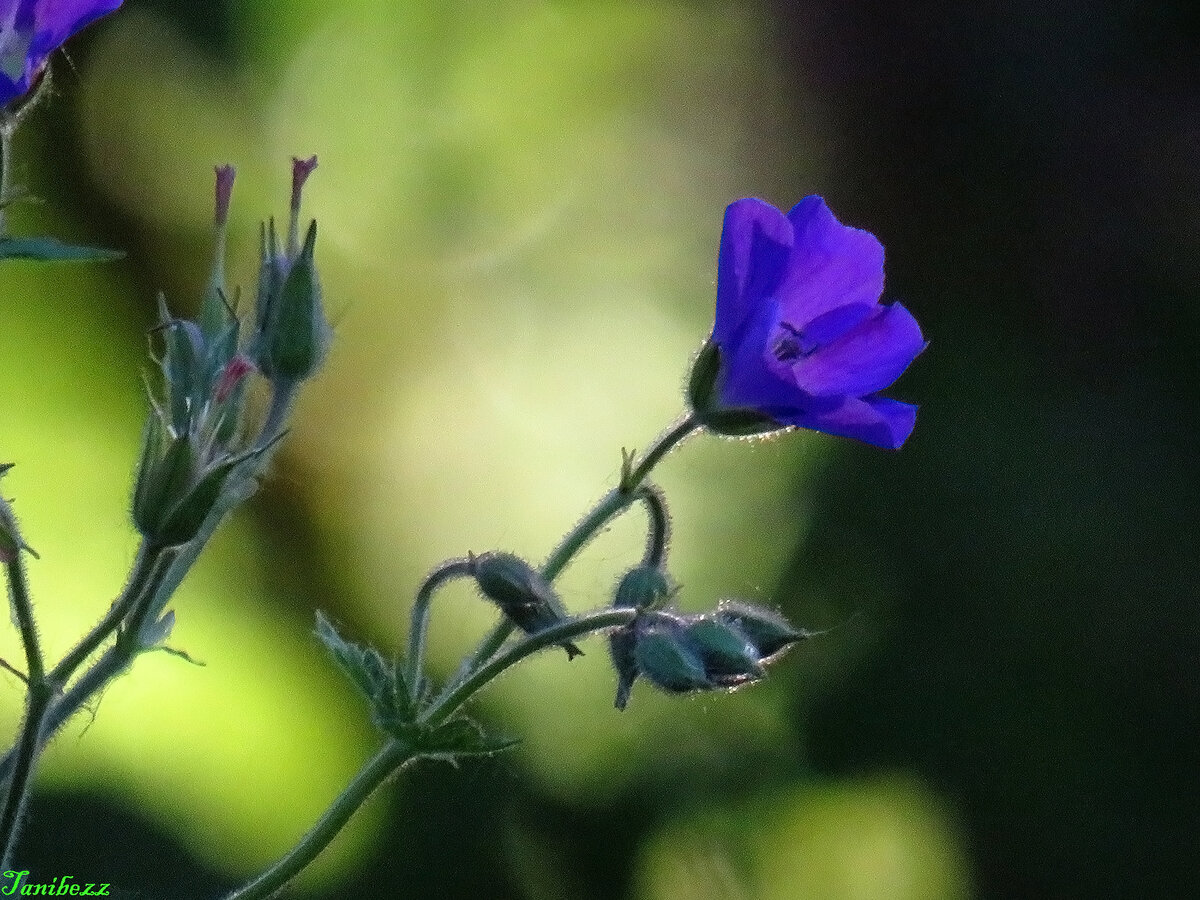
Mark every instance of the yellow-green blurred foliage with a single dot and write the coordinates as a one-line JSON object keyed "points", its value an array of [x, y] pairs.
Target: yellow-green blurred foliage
{"points": [[519, 206]]}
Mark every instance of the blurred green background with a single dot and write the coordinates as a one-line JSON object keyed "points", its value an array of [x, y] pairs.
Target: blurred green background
{"points": [[520, 203]]}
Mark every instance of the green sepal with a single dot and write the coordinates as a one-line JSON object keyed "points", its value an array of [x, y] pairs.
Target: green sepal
{"points": [[665, 658], [704, 397], [48, 249], [299, 335]]}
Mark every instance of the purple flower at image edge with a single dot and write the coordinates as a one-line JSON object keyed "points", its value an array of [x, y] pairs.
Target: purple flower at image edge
{"points": [[801, 336], [30, 30]]}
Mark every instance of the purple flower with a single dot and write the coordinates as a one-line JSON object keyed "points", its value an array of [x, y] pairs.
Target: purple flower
{"points": [[30, 30], [800, 336]]}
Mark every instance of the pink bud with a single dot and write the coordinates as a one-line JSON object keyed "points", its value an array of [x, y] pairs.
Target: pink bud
{"points": [[231, 376], [301, 169]]}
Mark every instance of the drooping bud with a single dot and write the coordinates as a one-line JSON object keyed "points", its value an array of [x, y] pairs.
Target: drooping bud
{"points": [[700, 652], [645, 587], [523, 595]]}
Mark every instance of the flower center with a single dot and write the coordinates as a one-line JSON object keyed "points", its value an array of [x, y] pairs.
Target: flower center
{"points": [[792, 345]]}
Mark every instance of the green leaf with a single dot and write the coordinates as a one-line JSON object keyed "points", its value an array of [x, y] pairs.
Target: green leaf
{"points": [[392, 707], [47, 249]]}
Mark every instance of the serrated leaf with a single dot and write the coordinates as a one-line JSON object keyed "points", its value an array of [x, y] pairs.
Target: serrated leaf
{"points": [[48, 249], [380, 682]]}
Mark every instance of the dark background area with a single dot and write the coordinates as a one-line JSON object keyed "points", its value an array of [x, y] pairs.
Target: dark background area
{"points": [[1034, 168]]}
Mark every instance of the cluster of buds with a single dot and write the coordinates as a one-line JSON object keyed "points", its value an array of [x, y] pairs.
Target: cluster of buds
{"points": [[681, 653], [676, 652], [197, 436]]}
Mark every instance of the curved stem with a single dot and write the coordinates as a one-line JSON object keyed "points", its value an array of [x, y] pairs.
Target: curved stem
{"points": [[383, 765], [660, 525], [442, 709], [452, 568], [660, 448], [22, 608], [610, 505]]}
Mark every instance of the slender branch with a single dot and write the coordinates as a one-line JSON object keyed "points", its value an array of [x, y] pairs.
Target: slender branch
{"points": [[616, 500], [7, 127], [660, 448], [38, 694], [149, 566], [22, 608], [389, 760]]}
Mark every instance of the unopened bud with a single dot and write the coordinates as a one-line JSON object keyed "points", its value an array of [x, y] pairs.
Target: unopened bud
{"points": [[523, 595], [667, 658], [729, 658], [645, 587], [768, 631]]}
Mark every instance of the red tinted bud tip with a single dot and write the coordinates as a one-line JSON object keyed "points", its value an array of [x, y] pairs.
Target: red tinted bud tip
{"points": [[301, 169], [231, 376]]}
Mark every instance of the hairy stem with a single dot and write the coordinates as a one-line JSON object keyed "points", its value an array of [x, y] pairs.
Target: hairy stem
{"points": [[38, 694], [454, 568]]}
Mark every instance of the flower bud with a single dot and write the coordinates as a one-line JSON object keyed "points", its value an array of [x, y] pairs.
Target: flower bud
{"points": [[768, 631], [291, 334], [176, 487], [729, 658], [297, 334], [666, 656], [645, 587], [523, 595], [214, 311]]}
